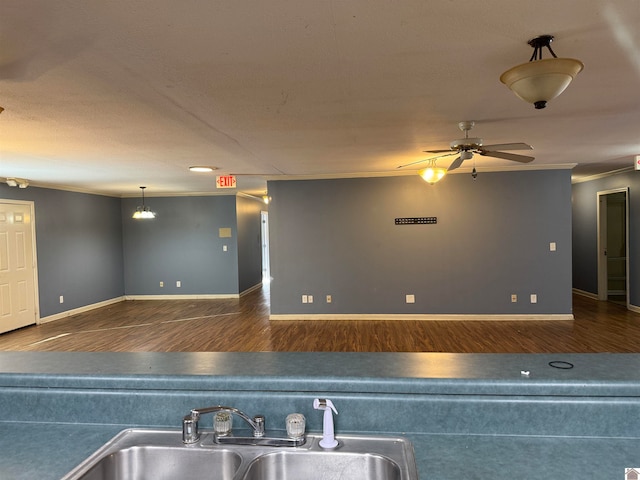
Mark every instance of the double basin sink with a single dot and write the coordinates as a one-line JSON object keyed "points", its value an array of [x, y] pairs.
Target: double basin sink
{"points": [[144, 454]]}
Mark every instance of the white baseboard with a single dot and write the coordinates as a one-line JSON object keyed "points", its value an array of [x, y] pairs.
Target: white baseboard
{"points": [[616, 292], [251, 289], [632, 308], [78, 310], [426, 317], [203, 296], [577, 291], [182, 297], [111, 301]]}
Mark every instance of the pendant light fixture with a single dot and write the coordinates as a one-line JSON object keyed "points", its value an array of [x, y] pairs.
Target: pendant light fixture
{"points": [[142, 211], [432, 173], [538, 80]]}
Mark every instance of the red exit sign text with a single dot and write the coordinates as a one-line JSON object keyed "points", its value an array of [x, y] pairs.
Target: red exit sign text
{"points": [[226, 181]]}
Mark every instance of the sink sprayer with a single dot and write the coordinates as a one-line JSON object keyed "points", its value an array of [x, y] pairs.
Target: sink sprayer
{"points": [[328, 438]]}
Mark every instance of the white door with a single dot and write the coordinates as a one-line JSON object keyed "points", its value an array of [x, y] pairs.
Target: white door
{"points": [[17, 266]]}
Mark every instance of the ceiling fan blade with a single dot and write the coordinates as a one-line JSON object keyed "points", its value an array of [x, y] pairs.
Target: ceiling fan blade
{"points": [[427, 159], [456, 163], [507, 146], [413, 163], [437, 151], [507, 156]]}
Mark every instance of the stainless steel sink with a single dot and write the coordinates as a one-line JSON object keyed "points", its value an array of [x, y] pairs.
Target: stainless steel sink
{"points": [[142, 454], [323, 466], [150, 462]]}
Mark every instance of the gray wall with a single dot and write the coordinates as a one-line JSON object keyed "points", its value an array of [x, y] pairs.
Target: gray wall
{"points": [[79, 247], [90, 250], [585, 231], [492, 238], [249, 242], [181, 243]]}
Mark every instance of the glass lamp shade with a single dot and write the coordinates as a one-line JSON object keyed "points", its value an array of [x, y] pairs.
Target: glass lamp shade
{"points": [[432, 175], [539, 81], [142, 213]]}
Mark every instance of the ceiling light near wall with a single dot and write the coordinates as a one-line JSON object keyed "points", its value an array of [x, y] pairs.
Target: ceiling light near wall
{"points": [[202, 169], [538, 80], [142, 211], [432, 173], [17, 182]]}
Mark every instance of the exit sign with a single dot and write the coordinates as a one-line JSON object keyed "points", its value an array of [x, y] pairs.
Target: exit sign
{"points": [[226, 181]]}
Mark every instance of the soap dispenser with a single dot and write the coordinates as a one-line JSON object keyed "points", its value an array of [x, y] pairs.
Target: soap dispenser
{"points": [[328, 439]]}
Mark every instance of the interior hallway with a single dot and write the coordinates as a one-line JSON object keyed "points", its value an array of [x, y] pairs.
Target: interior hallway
{"points": [[243, 325]]}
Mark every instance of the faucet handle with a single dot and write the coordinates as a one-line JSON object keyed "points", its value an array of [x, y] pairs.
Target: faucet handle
{"points": [[258, 421], [190, 433], [295, 424]]}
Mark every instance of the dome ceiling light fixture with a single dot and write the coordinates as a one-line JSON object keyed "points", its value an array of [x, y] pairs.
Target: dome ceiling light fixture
{"points": [[540, 80]]}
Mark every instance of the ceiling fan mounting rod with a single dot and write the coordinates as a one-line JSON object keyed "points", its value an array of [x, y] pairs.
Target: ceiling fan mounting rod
{"points": [[538, 44], [466, 126], [466, 144]]}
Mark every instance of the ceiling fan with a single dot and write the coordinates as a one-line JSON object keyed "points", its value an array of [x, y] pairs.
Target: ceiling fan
{"points": [[467, 146]]}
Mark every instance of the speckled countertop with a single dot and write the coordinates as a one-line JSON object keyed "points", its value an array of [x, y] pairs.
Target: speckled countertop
{"points": [[49, 451], [469, 416]]}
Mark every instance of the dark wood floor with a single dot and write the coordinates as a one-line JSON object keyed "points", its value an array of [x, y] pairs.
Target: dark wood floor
{"points": [[244, 325]]}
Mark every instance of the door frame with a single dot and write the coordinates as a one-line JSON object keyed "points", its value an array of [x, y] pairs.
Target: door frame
{"points": [[602, 241], [264, 239], [32, 213]]}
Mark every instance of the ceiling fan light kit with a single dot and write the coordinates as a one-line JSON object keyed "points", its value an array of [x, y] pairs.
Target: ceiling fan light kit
{"points": [[540, 80], [468, 146], [432, 174], [465, 148]]}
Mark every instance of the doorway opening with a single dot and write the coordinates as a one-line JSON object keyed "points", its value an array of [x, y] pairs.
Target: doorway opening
{"points": [[613, 246]]}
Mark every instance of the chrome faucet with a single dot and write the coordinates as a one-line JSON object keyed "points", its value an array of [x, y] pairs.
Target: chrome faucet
{"points": [[191, 432]]}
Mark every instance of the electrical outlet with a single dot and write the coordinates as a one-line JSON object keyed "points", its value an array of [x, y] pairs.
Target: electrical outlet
{"points": [[329, 299], [61, 299], [305, 298], [552, 246], [310, 298], [178, 284], [161, 284], [410, 298], [534, 298], [514, 298], [224, 248]]}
